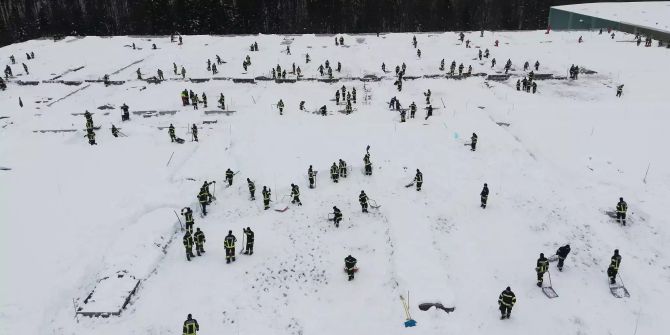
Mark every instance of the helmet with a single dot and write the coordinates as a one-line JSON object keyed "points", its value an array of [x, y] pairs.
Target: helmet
{"points": [[230, 232], [616, 251], [541, 255], [508, 289]]}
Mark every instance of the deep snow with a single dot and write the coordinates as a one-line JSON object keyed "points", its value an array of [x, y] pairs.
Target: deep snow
{"points": [[73, 214]]}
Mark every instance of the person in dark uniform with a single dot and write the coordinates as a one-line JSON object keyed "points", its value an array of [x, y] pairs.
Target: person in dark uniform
{"points": [[229, 244], [350, 266], [249, 250], [91, 136], [194, 131], [267, 193], [280, 105], [343, 169], [188, 217], [473, 142], [429, 111], [418, 179], [190, 325], [199, 238], [188, 245], [484, 195], [506, 301], [311, 176], [334, 173], [204, 198], [541, 267], [363, 200], [562, 253], [229, 177], [337, 216], [621, 209], [252, 189], [125, 116], [173, 137], [368, 164], [613, 269], [295, 193]]}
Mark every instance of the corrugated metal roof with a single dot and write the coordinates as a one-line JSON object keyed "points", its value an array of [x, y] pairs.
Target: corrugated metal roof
{"points": [[649, 14]]}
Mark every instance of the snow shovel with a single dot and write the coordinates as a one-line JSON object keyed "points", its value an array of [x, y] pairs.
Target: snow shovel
{"points": [[410, 184], [180, 140], [409, 322], [243, 245], [619, 290], [281, 206], [373, 204], [552, 258], [331, 216], [178, 218], [548, 290]]}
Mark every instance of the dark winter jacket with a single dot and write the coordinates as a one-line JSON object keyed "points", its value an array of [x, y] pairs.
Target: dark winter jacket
{"points": [[621, 207], [485, 192], [203, 197], [199, 237], [350, 262], [191, 326], [188, 240], [337, 214], [507, 298], [188, 215], [250, 235], [229, 241], [615, 261], [419, 177], [563, 251]]}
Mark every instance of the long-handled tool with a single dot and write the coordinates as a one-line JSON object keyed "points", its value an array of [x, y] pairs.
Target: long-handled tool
{"points": [[409, 322], [549, 290], [178, 218], [243, 245]]}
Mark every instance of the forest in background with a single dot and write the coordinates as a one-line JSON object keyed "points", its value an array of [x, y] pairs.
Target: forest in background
{"points": [[27, 19]]}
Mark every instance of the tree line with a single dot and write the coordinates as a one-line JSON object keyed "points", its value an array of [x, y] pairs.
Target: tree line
{"points": [[27, 19]]}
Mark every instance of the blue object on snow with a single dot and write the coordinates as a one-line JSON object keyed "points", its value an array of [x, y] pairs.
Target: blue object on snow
{"points": [[455, 135], [410, 323]]}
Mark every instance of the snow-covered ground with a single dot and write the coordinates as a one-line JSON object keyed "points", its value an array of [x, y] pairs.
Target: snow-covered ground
{"points": [[73, 214]]}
